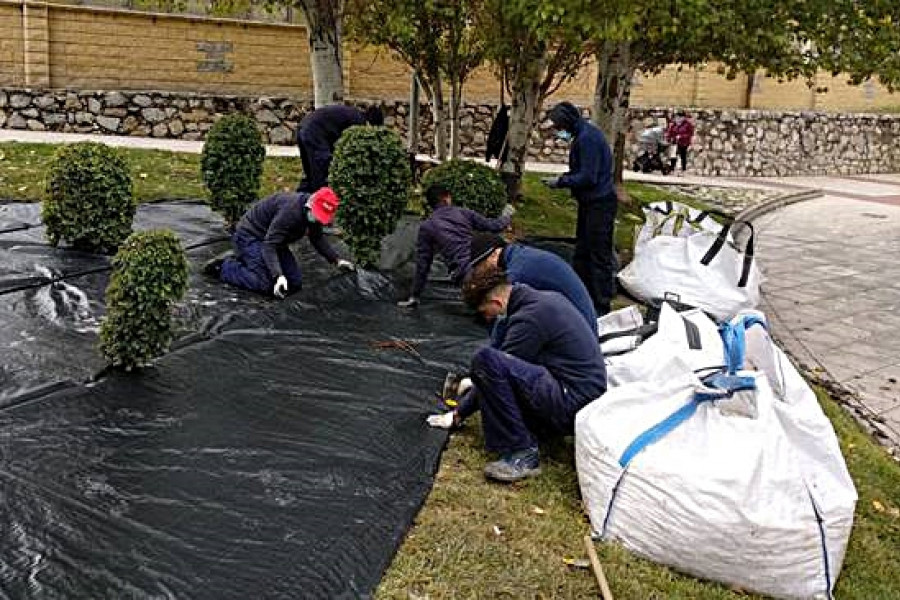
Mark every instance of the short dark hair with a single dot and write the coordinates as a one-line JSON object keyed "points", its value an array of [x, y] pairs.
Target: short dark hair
{"points": [[435, 193], [374, 115], [478, 285]]}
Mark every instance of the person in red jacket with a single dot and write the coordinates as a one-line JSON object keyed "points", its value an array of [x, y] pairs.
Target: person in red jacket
{"points": [[680, 133]]}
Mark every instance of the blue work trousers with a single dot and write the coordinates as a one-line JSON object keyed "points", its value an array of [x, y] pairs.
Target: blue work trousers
{"points": [[247, 269], [520, 402], [595, 259]]}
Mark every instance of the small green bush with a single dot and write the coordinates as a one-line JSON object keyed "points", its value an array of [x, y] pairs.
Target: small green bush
{"points": [[232, 164], [150, 274], [370, 173], [472, 185], [89, 201]]}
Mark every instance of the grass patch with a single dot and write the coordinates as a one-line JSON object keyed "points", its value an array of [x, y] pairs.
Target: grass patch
{"points": [[157, 174], [454, 550]]}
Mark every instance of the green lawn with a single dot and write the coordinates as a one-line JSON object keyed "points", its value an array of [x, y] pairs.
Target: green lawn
{"points": [[474, 539]]}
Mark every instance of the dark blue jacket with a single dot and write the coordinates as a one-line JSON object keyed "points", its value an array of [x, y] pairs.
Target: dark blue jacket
{"points": [[544, 270], [590, 173], [280, 220], [544, 328], [320, 130], [448, 231]]}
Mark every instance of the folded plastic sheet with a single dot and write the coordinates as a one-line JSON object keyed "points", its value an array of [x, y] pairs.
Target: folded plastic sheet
{"points": [[278, 451]]}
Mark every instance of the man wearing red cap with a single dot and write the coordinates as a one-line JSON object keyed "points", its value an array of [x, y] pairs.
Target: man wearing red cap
{"points": [[263, 261]]}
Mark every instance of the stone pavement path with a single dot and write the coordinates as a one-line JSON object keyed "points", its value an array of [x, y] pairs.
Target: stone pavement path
{"points": [[832, 290], [832, 268]]}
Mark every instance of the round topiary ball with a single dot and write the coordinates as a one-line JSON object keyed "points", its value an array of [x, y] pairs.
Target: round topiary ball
{"points": [[232, 164], [150, 274], [89, 201], [472, 185], [371, 175]]}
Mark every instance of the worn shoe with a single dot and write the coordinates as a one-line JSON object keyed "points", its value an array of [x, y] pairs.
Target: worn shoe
{"points": [[514, 466], [213, 267]]}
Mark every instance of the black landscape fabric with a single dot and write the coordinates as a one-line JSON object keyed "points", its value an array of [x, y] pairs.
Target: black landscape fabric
{"points": [[279, 451]]}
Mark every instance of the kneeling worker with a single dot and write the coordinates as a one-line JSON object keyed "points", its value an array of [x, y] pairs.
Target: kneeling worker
{"points": [[263, 261], [547, 367]]}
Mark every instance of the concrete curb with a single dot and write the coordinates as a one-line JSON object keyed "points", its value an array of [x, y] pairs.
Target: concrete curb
{"points": [[754, 212]]}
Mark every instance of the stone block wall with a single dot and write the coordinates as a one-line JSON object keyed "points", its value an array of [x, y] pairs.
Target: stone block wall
{"points": [[727, 142]]}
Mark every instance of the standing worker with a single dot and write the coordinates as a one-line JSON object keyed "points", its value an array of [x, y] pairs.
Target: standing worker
{"points": [[590, 180], [448, 231], [263, 261], [530, 386], [319, 131]]}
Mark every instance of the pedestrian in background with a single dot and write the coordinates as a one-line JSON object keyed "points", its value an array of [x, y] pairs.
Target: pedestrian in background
{"points": [[681, 133]]}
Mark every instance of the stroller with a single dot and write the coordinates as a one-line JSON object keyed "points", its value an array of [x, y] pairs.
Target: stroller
{"points": [[653, 151]]}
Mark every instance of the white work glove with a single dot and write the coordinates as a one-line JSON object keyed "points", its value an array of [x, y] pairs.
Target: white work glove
{"points": [[345, 265], [442, 421], [281, 286], [465, 384], [550, 182], [411, 302], [508, 211]]}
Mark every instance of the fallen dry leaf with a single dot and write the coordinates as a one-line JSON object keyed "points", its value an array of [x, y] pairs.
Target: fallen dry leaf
{"points": [[497, 530], [538, 510], [878, 506]]}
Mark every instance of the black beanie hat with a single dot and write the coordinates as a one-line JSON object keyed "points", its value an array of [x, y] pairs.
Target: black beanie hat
{"points": [[482, 245]]}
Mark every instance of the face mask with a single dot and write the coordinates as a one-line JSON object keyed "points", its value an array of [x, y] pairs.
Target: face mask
{"points": [[563, 135]]}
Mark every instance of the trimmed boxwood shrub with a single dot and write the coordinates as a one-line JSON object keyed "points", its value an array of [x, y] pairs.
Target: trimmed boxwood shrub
{"points": [[232, 164], [150, 274], [472, 185], [89, 201], [370, 173]]}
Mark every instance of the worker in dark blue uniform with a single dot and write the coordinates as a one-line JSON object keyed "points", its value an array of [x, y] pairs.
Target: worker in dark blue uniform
{"points": [[448, 232], [263, 261], [319, 131], [538, 268], [530, 387], [590, 180]]}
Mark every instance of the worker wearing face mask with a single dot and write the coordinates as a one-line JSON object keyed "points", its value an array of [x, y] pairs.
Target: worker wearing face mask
{"points": [[590, 180], [263, 261]]}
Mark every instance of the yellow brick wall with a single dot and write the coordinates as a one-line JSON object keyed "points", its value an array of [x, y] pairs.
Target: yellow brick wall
{"points": [[94, 48], [113, 50], [841, 96], [12, 53]]}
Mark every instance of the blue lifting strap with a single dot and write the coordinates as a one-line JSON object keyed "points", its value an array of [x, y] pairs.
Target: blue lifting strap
{"points": [[735, 344]]}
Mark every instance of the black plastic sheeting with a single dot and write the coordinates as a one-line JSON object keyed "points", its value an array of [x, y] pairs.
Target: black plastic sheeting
{"points": [[279, 451]]}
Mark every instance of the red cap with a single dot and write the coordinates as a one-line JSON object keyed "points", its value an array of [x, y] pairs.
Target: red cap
{"points": [[324, 204]]}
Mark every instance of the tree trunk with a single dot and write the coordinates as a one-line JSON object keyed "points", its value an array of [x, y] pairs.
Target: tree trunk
{"points": [[612, 97], [323, 18], [439, 114], [455, 99], [524, 109]]}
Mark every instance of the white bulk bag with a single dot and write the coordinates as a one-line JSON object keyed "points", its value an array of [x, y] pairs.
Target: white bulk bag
{"points": [[691, 334], [704, 270], [675, 219], [763, 503]]}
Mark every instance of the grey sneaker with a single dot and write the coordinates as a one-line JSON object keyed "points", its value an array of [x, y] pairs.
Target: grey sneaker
{"points": [[514, 466]]}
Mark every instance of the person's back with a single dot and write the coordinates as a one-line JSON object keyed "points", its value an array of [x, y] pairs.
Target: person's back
{"points": [[324, 126], [545, 328], [543, 270]]}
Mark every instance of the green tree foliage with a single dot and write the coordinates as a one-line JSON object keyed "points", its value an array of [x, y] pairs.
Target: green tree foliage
{"points": [[89, 201], [150, 275], [232, 165], [471, 185], [442, 40], [371, 175]]}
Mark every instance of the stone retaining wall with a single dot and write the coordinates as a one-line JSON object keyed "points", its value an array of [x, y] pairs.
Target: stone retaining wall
{"points": [[728, 142]]}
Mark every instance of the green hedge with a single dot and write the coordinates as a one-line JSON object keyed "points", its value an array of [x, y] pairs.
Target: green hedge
{"points": [[150, 275], [472, 185], [89, 201], [371, 175], [232, 164]]}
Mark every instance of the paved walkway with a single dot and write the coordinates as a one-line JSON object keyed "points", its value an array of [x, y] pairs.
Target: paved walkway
{"points": [[832, 268], [832, 289]]}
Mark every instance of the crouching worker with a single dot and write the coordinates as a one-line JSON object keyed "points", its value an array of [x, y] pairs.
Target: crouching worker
{"points": [[263, 261], [530, 386]]}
